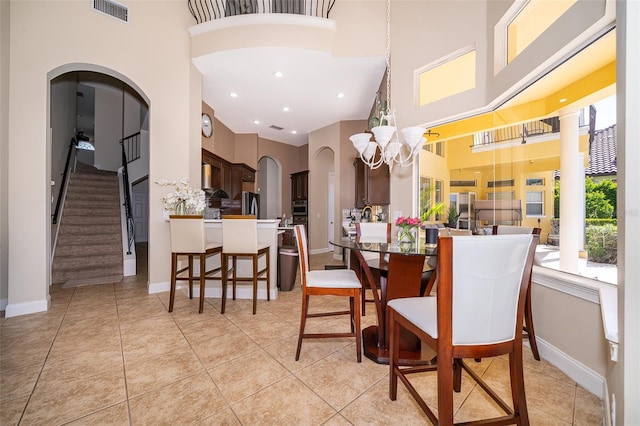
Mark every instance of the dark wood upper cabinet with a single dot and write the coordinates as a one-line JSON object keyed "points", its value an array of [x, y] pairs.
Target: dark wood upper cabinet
{"points": [[300, 186], [372, 186]]}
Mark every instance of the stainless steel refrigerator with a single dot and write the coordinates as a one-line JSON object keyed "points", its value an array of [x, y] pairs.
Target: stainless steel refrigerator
{"points": [[251, 203]]}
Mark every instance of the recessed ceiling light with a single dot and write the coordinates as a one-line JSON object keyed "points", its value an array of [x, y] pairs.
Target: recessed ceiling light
{"points": [[233, 94], [563, 100], [294, 132], [256, 121], [285, 109], [278, 74], [340, 95]]}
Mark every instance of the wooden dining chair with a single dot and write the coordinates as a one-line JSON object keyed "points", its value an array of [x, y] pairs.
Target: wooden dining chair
{"points": [[329, 282], [240, 240], [375, 261], [189, 238], [477, 313], [528, 328]]}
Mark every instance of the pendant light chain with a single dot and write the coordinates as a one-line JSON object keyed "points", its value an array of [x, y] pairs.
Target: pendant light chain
{"points": [[388, 111]]}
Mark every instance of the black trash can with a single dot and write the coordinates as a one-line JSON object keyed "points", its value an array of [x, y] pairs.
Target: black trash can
{"points": [[288, 265]]}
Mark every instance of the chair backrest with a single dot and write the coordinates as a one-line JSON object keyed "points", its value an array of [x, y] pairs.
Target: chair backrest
{"points": [[510, 229], [303, 255], [456, 232], [378, 230], [239, 234], [187, 234], [482, 283]]}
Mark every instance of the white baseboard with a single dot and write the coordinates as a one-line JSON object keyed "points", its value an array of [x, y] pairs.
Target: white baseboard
{"points": [[319, 251], [578, 372], [17, 309], [129, 267], [3, 304]]}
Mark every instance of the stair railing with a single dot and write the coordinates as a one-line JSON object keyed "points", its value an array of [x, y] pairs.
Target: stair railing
{"points": [[127, 200], [71, 154]]}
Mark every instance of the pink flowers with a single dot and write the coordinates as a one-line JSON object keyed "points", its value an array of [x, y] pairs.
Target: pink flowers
{"points": [[408, 222]]}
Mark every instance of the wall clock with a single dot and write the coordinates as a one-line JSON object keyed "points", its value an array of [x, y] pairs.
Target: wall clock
{"points": [[207, 125]]}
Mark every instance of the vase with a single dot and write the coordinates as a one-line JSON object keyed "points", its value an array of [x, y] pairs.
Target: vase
{"points": [[407, 235], [181, 209]]}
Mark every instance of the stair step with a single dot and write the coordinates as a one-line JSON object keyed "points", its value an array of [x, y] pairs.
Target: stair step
{"points": [[91, 220], [82, 272], [93, 192], [90, 238], [76, 250], [95, 203], [90, 210], [88, 262]]}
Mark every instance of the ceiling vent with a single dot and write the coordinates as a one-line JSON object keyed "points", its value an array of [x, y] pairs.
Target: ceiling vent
{"points": [[111, 8], [274, 127]]}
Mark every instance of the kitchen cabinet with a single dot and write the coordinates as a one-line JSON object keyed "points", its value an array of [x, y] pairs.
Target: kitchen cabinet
{"points": [[372, 186], [220, 171], [243, 178], [300, 186]]}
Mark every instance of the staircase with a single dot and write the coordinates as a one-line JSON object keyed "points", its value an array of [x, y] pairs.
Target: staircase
{"points": [[89, 245]]}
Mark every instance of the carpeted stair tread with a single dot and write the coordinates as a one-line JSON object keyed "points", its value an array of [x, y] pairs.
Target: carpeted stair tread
{"points": [[89, 243]]}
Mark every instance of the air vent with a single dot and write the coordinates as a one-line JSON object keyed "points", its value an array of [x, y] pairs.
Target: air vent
{"points": [[111, 8], [274, 127], [463, 183]]}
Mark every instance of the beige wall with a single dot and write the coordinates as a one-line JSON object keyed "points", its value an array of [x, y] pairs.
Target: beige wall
{"points": [[44, 42], [4, 151]]}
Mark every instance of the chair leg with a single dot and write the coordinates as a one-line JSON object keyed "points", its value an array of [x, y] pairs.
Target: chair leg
{"points": [[528, 325], [174, 268], [457, 374], [255, 283], [202, 268], [356, 320], [517, 387], [394, 355], [190, 272], [303, 320], [268, 269], [445, 388], [224, 271], [234, 266]]}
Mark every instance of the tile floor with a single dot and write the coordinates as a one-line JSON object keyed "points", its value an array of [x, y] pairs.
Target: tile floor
{"points": [[112, 354]]}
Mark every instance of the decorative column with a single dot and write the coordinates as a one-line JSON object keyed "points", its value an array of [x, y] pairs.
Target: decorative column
{"points": [[571, 216]]}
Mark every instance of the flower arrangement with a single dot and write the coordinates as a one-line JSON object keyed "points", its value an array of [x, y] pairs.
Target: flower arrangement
{"points": [[407, 225], [185, 200]]}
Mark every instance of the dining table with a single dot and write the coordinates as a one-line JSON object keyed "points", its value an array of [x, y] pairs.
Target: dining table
{"points": [[403, 273]]}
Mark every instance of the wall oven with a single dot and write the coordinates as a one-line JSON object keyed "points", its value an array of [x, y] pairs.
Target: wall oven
{"points": [[299, 208]]}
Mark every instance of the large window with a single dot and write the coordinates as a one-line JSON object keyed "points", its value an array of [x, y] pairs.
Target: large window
{"points": [[448, 76], [535, 203]]}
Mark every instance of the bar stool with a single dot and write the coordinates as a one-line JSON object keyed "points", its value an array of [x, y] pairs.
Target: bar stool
{"points": [[189, 238], [240, 239]]}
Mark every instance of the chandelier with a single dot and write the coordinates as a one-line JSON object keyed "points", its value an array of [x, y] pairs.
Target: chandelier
{"points": [[391, 147]]}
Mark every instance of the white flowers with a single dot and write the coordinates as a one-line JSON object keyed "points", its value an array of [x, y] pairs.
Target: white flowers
{"points": [[185, 200]]}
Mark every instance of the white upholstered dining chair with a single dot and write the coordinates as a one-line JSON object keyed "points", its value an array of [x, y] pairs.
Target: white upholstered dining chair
{"points": [[330, 282], [189, 238], [477, 313]]}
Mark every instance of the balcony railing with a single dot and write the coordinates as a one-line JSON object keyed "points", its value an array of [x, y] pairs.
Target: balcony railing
{"points": [[207, 10], [531, 129]]}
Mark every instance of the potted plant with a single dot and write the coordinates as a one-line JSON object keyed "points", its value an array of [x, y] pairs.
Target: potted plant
{"points": [[452, 216]]}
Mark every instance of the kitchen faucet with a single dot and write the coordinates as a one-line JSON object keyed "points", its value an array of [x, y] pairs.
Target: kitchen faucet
{"points": [[363, 213]]}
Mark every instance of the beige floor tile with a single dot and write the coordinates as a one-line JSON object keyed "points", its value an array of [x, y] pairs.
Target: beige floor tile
{"points": [[300, 407], [140, 346], [375, 408], [337, 420], [186, 401], [11, 410], [111, 416], [247, 375], [19, 382], [221, 349], [157, 370], [588, 409], [206, 329], [58, 399], [312, 350], [225, 417], [267, 328], [341, 371]]}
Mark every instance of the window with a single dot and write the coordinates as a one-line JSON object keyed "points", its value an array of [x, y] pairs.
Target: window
{"points": [[440, 149], [531, 21], [438, 196], [447, 76], [535, 203], [535, 182]]}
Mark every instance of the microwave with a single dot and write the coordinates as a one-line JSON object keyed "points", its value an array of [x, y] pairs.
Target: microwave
{"points": [[299, 208]]}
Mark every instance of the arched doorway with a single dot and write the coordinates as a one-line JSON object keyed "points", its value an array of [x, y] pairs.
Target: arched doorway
{"points": [[103, 114], [270, 188]]}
